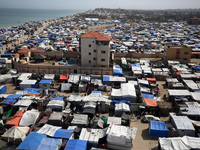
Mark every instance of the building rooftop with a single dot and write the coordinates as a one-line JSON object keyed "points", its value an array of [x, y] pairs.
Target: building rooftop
{"points": [[24, 51], [99, 36]]}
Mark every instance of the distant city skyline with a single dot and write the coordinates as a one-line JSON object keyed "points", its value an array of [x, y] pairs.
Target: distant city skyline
{"points": [[92, 4]]}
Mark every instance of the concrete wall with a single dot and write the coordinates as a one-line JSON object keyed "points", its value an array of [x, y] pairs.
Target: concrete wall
{"points": [[33, 68], [88, 56], [101, 55], [133, 55], [178, 52]]}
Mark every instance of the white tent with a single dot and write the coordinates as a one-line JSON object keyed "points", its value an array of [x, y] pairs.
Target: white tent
{"points": [[48, 130], [176, 143], [27, 84], [179, 93], [183, 125], [56, 104], [120, 137], [195, 96], [92, 136], [16, 133], [29, 118], [23, 103], [65, 87]]}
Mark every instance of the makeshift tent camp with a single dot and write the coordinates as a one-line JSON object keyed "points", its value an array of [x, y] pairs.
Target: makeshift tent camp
{"points": [[29, 118], [63, 78], [28, 84], [16, 133], [158, 129], [76, 145], [2, 89], [182, 124], [120, 137], [50, 144], [80, 120], [150, 102], [63, 133], [92, 136], [49, 130], [14, 121], [56, 105], [66, 87], [120, 108], [55, 118], [175, 143], [31, 142], [45, 84]]}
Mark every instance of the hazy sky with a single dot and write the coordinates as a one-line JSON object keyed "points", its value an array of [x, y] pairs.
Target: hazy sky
{"points": [[91, 4]]}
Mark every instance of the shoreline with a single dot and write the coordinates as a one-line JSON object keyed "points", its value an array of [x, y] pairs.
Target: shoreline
{"points": [[8, 27]]}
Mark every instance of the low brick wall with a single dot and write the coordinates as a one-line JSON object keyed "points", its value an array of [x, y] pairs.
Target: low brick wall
{"points": [[50, 69]]}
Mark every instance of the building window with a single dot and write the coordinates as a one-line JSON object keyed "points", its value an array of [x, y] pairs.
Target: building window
{"points": [[92, 41], [185, 58], [102, 66], [89, 61], [102, 59], [89, 45], [94, 58], [186, 53], [94, 50], [177, 52], [103, 52], [89, 53]]}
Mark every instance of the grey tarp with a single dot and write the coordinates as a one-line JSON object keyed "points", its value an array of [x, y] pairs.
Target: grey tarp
{"points": [[29, 118]]}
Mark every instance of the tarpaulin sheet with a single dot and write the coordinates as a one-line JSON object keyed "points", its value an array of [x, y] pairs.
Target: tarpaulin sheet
{"points": [[32, 90], [76, 145], [50, 144], [150, 96], [14, 96], [120, 101], [117, 72], [45, 81], [158, 129], [63, 78], [63, 133], [57, 98], [151, 80], [106, 78], [14, 121], [9, 101], [31, 142], [151, 102]]}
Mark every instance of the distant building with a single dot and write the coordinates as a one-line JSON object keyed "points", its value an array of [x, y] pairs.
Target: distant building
{"points": [[179, 52], [95, 49]]}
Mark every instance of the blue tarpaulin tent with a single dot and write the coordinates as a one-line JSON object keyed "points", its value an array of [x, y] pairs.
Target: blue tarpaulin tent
{"points": [[63, 133], [9, 101], [120, 101], [50, 144], [150, 96], [32, 90], [32, 141], [158, 129], [2, 89], [76, 145], [43, 81], [96, 92], [106, 78], [15, 96], [117, 72], [57, 98]]}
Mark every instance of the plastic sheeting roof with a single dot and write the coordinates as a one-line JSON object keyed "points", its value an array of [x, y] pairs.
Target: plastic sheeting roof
{"points": [[150, 96], [16, 133], [195, 96], [23, 103], [49, 76], [63, 133], [76, 145], [185, 143], [29, 118], [151, 102], [32, 90], [32, 141], [45, 81], [50, 144], [179, 93], [158, 129], [9, 101], [48, 130]]}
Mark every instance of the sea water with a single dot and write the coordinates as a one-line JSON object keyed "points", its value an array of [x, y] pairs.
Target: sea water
{"points": [[15, 16]]}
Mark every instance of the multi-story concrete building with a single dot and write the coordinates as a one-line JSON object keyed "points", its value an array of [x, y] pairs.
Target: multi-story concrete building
{"points": [[179, 52], [95, 49]]}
